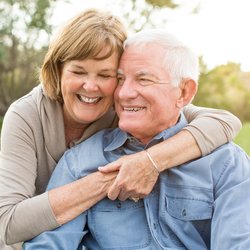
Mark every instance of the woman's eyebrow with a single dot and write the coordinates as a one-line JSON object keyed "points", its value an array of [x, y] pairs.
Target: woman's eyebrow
{"points": [[77, 66], [111, 69]]}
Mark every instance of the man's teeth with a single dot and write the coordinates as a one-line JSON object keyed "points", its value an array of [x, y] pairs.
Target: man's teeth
{"points": [[89, 99], [133, 109]]}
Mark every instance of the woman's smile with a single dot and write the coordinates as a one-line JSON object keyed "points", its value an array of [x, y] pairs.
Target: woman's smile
{"points": [[88, 100]]}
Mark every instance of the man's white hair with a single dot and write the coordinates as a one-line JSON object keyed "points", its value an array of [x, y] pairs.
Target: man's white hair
{"points": [[180, 61]]}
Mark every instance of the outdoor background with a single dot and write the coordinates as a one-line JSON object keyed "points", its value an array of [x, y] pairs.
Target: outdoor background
{"points": [[217, 30]]}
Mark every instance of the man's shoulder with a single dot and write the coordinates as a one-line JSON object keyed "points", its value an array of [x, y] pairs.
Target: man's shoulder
{"points": [[228, 150], [222, 165], [227, 159]]}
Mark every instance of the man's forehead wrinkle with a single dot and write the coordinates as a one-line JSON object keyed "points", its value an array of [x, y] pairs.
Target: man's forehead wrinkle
{"points": [[139, 73]]}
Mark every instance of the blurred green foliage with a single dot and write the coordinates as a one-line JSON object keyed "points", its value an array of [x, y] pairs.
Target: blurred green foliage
{"points": [[162, 3], [243, 138], [22, 25], [225, 87]]}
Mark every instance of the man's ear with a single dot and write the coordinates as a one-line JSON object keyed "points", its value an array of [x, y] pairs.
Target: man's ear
{"points": [[188, 89]]}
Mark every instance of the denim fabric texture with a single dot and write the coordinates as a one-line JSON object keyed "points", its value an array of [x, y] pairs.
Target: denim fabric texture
{"points": [[203, 204]]}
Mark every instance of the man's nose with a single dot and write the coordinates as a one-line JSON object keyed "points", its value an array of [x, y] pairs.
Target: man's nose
{"points": [[128, 89]]}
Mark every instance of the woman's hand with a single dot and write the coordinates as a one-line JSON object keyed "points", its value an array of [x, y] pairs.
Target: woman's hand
{"points": [[70, 200], [136, 178]]}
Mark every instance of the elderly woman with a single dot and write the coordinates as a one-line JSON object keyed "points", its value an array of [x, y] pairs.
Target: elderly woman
{"points": [[73, 102]]}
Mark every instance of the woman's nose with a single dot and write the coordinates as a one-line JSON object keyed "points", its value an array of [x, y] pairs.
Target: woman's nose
{"points": [[90, 84]]}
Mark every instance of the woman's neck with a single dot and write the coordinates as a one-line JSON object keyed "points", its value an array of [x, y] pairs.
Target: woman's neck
{"points": [[73, 130]]}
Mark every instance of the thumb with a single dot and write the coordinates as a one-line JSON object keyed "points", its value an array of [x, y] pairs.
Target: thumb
{"points": [[111, 167]]}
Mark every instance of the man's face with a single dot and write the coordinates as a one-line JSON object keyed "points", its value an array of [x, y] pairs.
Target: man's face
{"points": [[145, 107]]}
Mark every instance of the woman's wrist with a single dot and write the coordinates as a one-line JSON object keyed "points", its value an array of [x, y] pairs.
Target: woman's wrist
{"points": [[174, 151], [154, 164]]}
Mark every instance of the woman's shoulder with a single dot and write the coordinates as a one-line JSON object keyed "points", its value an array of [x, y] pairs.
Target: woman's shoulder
{"points": [[33, 104], [33, 109], [28, 102]]}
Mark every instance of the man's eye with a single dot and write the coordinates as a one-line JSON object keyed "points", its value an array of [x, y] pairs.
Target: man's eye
{"points": [[146, 81]]}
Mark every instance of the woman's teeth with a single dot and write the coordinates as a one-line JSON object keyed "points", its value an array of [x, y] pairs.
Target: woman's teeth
{"points": [[88, 99]]}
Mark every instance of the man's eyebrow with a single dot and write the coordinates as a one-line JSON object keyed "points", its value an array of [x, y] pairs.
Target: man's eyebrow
{"points": [[144, 73]]}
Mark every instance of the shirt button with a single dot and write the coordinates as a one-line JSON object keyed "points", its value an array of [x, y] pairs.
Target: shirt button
{"points": [[154, 225], [184, 212], [119, 205]]}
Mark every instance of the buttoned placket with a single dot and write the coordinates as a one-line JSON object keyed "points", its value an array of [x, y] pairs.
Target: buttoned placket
{"points": [[153, 225]]}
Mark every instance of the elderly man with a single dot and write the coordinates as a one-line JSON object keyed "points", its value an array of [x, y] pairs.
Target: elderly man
{"points": [[203, 204]]}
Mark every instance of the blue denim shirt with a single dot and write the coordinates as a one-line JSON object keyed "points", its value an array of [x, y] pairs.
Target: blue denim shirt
{"points": [[203, 204]]}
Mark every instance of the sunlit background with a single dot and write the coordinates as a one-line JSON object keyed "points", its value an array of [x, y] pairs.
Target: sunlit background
{"points": [[216, 29]]}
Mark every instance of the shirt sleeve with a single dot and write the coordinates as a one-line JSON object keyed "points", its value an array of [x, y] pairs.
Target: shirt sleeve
{"points": [[20, 207], [211, 128], [230, 225], [69, 235]]}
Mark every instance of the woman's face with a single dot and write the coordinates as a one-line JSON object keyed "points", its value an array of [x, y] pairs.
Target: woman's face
{"points": [[87, 89]]}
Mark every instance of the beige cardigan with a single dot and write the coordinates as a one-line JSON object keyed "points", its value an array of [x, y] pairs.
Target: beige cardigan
{"points": [[32, 141]]}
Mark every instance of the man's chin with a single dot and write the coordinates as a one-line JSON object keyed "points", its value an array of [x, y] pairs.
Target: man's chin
{"points": [[129, 127]]}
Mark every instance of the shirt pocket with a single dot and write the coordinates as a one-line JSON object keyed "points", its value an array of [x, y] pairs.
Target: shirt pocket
{"points": [[120, 225], [189, 204]]}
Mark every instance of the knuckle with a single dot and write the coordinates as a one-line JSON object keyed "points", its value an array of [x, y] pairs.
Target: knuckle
{"points": [[111, 197], [145, 192], [122, 199], [121, 184]]}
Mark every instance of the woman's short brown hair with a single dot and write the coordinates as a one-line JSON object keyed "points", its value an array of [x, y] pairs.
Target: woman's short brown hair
{"points": [[84, 36]]}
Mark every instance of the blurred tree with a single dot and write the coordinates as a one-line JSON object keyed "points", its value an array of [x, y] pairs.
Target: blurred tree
{"points": [[162, 3], [226, 87], [141, 13], [22, 26]]}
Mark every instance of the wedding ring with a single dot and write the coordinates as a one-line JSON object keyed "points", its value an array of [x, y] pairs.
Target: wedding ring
{"points": [[135, 199]]}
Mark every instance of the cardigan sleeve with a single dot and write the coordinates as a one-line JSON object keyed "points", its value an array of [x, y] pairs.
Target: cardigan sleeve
{"points": [[32, 142], [211, 128], [23, 212]]}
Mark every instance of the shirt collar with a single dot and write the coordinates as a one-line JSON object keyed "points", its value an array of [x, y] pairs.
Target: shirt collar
{"points": [[118, 138]]}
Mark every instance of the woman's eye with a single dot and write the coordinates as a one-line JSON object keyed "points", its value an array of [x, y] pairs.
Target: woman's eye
{"points": [[105, 76], [79, 73]]}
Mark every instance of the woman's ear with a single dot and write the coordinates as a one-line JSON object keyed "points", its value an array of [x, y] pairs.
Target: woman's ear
{"points": [[188, 89]]}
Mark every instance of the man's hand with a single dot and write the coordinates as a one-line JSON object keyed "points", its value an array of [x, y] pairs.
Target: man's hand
{"points": [[136, 177]]}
